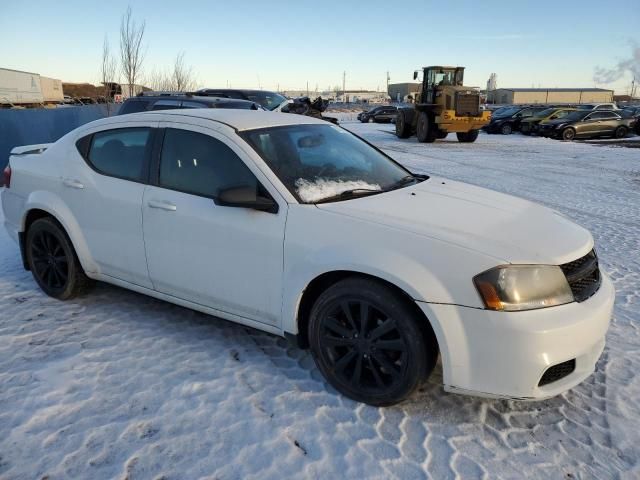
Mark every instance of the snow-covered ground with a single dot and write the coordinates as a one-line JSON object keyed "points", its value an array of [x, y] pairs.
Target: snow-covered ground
{"points": [[118, 385]]}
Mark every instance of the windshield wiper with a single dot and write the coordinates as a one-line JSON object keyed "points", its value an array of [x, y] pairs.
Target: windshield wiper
{"points": [[402, 182], [352, 193]]}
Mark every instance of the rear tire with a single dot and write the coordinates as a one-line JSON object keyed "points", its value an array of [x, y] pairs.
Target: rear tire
{"points": [[467, 137], [53, 260], [568, 134], [425, 128], [368, 344], [620, 132], [403, 130]]}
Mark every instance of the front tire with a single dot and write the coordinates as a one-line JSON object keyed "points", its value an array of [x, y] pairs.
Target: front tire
{"points": [[367, 342], [467, 137], [568, 134], [506, 129], [53, 261]]}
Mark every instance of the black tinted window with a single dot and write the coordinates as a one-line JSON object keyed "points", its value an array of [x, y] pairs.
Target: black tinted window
{"points": [[134, 106], [120, 153], [196, 163]]}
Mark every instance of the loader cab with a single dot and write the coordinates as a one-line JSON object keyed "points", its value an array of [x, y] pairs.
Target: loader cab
{"points": [[437, 78]]}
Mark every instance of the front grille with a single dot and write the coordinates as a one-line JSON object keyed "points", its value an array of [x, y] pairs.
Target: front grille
{"points": [[583, 276], [467, 104], [555, 373]]}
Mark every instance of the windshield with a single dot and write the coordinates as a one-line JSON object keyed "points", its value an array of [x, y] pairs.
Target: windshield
{"points": [[507, 112], [586, 107], [320, 162], [269, 100]]}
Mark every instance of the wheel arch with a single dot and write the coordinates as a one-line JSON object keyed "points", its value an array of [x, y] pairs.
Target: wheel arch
{"points": [[42, 204], [323, 281]]}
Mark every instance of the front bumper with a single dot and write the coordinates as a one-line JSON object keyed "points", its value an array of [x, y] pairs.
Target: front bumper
{"points": [[494, 127], [504, 354], [448, 121]]}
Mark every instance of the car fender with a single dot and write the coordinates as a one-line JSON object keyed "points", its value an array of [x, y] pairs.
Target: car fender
{"points": [[52, 204], [394, 267], [427, 270]]}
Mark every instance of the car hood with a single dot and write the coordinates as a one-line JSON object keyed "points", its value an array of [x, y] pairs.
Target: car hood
{"points": [[510, 229]]}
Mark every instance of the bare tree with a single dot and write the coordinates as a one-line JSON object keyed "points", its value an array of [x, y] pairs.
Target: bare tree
{"points": [[131, 51], [108, 71], [159, 80], [182, 78]]}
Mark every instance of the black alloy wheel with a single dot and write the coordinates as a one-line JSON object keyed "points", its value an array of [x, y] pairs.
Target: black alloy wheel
{"points": [[53, 261], [367, 342], [49, 259], [506, 129]]}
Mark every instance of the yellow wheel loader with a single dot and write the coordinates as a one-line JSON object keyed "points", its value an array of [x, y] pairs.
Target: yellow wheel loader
{"points": [[443, 106]]}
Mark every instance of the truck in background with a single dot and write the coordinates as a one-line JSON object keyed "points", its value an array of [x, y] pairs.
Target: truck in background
{"points": [[26, 89]]}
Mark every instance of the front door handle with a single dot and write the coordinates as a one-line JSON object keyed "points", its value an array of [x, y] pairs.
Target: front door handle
{"points": [[162, 205], [71, 183]]}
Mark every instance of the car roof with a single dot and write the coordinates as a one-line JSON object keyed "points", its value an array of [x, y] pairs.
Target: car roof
{"points": [[189, 98], [236, 119]]}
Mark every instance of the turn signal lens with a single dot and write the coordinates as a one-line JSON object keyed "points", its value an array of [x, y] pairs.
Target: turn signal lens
{"points": [[523, 287]]}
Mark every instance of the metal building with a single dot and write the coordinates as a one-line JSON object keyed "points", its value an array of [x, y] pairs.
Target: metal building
{"points": [[550, 95], [400, 91]]}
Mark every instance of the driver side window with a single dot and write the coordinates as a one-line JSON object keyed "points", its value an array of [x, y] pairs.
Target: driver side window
{"points": [[199, 164]]}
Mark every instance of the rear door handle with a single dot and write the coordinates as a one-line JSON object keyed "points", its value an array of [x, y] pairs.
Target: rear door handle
{"points": [[162, 205], [71, 183]]}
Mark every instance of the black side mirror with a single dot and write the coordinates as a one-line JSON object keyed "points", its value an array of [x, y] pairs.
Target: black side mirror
{"points": [[246, 196], [415, 75]]}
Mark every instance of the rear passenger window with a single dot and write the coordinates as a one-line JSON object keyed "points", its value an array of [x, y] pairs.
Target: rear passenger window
{"points": [[133, 106], [195, 163], [120, 153]]}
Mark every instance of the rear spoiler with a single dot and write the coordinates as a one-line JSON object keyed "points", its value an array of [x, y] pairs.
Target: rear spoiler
{"points": [[30, 149]]}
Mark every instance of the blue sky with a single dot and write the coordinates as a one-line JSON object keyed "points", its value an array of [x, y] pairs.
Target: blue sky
{"points": [[281, 43]]}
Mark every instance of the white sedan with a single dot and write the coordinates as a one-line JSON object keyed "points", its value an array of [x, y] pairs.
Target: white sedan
{"points": [[297, 227]]}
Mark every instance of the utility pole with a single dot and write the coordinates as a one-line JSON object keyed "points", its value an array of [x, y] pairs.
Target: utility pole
{"points": [[388, 78], [307, 88], [344, 91]]}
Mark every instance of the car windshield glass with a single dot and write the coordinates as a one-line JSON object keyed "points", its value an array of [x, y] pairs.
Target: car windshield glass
{"points": [[544, 113], [325, 162], [586, 107], [507, 112], [268, 100], [573, 116]]}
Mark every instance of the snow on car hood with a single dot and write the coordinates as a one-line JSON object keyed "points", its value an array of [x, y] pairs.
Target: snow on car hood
{"points": [[505, 227]]}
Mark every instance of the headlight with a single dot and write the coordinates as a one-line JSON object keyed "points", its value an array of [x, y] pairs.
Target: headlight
{"points": [[523, 287]]}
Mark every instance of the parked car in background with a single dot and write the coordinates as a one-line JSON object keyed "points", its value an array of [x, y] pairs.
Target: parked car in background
{"points": [[633, 113], [508, 120], [529, 125], [235, 214], [271, 101], [381, 114], [597, 106], [588, 124], [150, 101]]}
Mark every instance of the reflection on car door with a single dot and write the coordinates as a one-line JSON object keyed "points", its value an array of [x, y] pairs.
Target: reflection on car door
{"points": [[104, 193], [226, 258]]}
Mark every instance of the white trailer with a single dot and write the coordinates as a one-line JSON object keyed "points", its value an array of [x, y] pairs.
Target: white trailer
{"points": [[20, 88], [51, 90]]}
